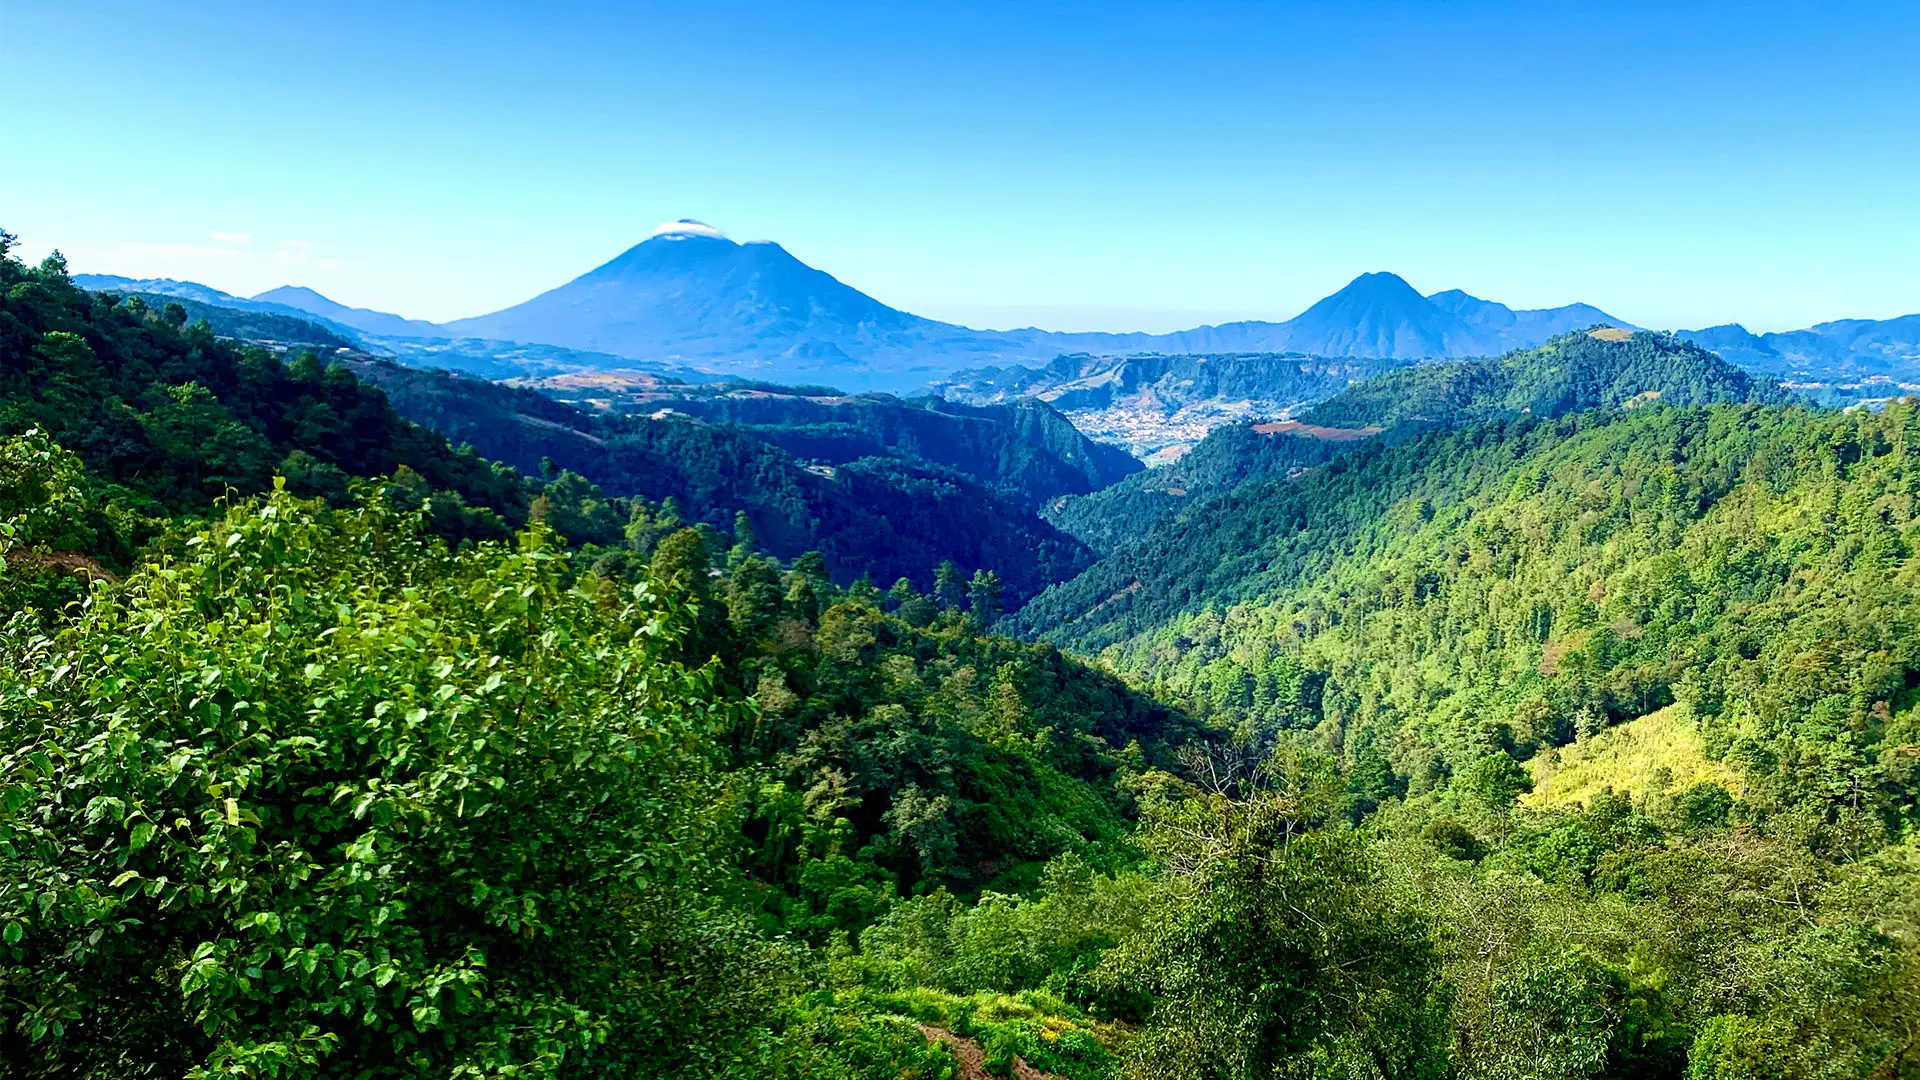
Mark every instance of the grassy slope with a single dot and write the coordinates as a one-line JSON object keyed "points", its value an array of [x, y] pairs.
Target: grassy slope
{"points": [[1661, 751]]}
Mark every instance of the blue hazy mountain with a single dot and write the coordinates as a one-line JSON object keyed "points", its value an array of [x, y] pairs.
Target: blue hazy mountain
{"points": [[1380, 315], [424, 345], [1525, 328], [1376, 316], [688, 294], [365, 320], [193, 290], [1842, 349]]}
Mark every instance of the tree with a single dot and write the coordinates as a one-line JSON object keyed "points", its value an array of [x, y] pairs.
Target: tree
{"points": [[1269, 941], [753, 598], [983, 598], [745, 541], [948, 591], [913, 608], [1496, 781]]}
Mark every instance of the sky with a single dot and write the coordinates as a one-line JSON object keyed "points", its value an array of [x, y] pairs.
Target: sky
{"points": [[1105, 166]]}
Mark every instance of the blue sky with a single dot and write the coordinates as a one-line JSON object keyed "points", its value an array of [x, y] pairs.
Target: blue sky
{"points": [[1109, 166]]}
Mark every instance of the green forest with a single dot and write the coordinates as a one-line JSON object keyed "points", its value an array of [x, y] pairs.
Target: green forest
{"points": [[1569, 735], [876, 501]]}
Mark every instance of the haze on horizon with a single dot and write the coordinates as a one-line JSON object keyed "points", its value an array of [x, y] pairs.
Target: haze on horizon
{"points": [[1122, 167]]}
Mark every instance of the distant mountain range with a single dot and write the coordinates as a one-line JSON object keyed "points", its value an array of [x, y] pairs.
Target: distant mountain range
{"points": [[1846, 348], [362, 319], [688, 295], [292, 316]]}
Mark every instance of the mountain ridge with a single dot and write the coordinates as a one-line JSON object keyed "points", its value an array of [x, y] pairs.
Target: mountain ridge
{"points": [[688, 295], [363, 319]]}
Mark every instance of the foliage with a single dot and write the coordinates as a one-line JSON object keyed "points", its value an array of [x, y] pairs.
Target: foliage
{"points": [[876, 517], [1270, 948], [1573, 373], [180, 417], [1515, 586], [324, 795], [1436, 612], [1229, 456], [1553, 747]]}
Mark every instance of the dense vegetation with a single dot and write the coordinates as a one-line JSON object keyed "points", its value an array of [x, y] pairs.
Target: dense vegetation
{"points": [[1025, 451], [1439, 612], [1573, 373], [1229, 456], [878, 517], [1595, 369], [1559, 748], [241, 324]]}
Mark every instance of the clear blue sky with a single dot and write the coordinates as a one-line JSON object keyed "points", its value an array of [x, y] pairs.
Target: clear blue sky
{"points": [[1103, 166]]}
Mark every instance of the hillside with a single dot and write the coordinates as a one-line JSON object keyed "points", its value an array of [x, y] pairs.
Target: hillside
{"points": [[272, 329], [1527, 580], [1575, 372], [884, 518], [1026, 450], [1107, 519], [177, 417], [1572, 373]]}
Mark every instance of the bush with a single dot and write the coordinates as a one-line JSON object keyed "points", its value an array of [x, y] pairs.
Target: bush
{"points": [[326, 797]]}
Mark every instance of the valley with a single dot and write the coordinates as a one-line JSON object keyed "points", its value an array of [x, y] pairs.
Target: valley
{"points": [[1204, 541], [1548, 712]]}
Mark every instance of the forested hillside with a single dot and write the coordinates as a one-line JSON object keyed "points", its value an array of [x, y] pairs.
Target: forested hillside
{"points": [[1025, 450], [1107, 519], [1594, 369], [243, 325], [1581, 371], [878, 517], [178, 418], [1439, 612]]}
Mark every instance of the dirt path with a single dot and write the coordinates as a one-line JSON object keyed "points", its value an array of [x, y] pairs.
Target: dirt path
{"points": [[970, 1056], [60, 562]]}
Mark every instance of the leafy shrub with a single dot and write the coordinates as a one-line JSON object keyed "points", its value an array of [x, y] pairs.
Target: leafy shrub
{"points": [[325, 796]]}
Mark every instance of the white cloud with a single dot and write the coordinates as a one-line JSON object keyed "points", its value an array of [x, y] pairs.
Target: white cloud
{"points": [[687, 227], [294, 253]]}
